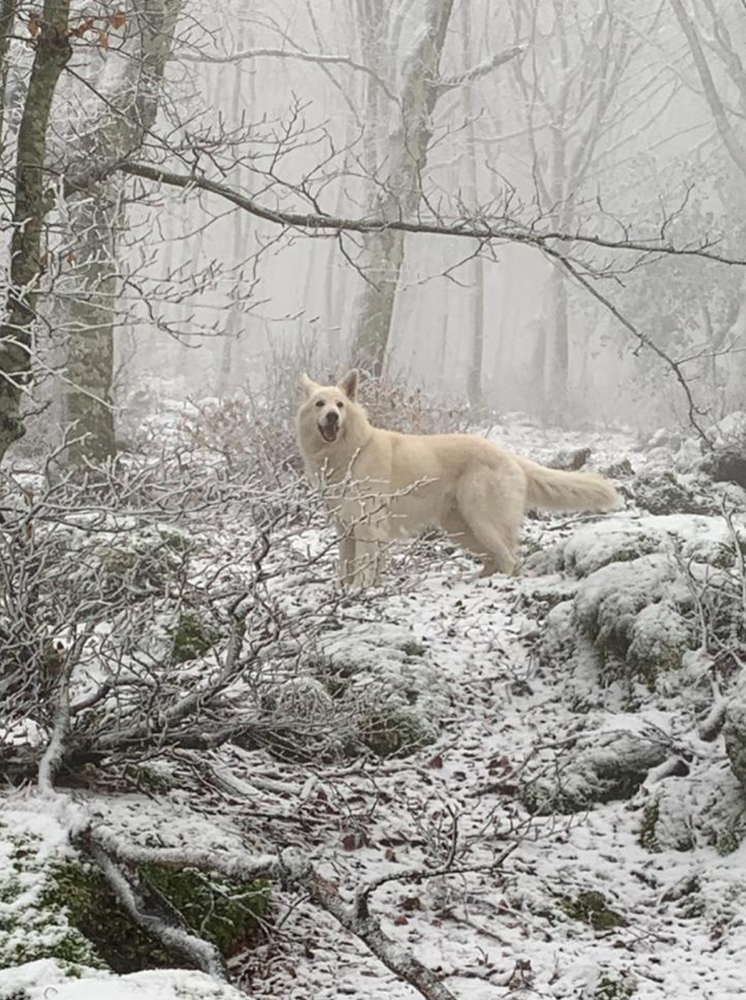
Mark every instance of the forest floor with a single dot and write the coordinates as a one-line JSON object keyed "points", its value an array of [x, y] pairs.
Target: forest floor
{"points": [[577, 908]]}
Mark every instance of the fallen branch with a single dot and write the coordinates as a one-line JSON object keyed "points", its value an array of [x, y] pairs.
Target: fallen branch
{"points": [[175, 940], [287, 868]]}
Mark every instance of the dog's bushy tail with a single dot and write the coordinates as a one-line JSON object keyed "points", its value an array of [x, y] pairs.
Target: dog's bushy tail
{"points": [[551, 489]]}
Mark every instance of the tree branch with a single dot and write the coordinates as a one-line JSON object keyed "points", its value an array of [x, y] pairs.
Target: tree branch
{"points": [[481, 69], [309, 57], [643, 338], [512, 232], [287, 868], [731, 140], [176, 940]]}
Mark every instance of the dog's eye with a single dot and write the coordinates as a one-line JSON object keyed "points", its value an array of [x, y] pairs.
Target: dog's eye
{"points": [[340, 405], [319, 403]]}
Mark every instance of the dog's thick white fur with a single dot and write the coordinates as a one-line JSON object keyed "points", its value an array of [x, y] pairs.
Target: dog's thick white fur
{"points": [[385, 484]]}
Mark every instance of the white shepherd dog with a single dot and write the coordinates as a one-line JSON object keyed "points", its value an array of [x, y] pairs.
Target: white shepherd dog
{"points": [[384, 484]]}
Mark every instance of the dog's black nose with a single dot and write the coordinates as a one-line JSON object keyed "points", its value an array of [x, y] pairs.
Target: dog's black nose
{"points": [[332, 417]]}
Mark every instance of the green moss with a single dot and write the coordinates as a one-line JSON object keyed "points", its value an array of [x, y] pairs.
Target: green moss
{"points": [[647, 837], [146, 778], [395, 732], [191, 638], [413, 648], [81, 891], [728, 840], [144, 561], [591, 908], [615, 986], [29, 930], [222, 912]]}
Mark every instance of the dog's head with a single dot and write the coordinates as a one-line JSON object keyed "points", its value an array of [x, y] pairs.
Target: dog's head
{"points": [[328, 405]]}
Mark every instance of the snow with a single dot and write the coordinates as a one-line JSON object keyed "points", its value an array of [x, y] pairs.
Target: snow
{"points": [[46, 978], [503, 711]]}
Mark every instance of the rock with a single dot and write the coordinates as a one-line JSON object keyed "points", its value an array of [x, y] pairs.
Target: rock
{"points": [[614, 540], [659, 637], [619, 470], [735, 735], [591, 908], [570, 461], [664, 437], [604, 767], [666, 822], [729, 467], [659, 491], [56, 904], [609, 601]]}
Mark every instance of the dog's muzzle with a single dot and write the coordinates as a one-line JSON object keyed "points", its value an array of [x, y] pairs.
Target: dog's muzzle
{"points": [[329, 426]]}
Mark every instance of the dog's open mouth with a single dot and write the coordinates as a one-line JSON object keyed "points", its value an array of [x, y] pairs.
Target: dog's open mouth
{"points": [[329, 431]]}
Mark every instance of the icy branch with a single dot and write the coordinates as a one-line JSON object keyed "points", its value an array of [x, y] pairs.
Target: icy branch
{"points": [[481, 69]]}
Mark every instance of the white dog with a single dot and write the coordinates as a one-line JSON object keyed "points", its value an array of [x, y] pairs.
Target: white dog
{"points": [[385, 484]]}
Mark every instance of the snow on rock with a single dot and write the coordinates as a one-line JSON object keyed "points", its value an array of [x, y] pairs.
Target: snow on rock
{"points": [[661, 491], [33, 919], [637, 608], [599, 767], [46, 978]]}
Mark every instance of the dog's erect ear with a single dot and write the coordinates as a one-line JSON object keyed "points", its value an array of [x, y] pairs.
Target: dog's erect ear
{"points": [[348, 384], [308, 385]]}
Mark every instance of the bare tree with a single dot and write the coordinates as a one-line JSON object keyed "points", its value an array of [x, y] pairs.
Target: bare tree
{"points": [[124, 111], [401, 168], [52, 50], [570, 102]]}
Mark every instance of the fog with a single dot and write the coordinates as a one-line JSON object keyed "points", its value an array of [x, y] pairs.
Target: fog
{"points": [[616, 128], [597, 127]]}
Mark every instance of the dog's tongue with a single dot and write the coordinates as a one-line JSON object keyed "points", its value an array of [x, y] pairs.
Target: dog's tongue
{"points": [[328, 432]]}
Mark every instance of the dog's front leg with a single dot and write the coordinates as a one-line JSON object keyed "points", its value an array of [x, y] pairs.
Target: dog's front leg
{"points": [[346, 549], [368, 556]]}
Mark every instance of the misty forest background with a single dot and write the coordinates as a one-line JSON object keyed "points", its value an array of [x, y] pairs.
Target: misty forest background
{"points": [[221, 773], [189, 149]]}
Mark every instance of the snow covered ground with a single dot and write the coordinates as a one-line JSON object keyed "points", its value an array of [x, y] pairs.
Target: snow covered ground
{"points": [[583, 905]]}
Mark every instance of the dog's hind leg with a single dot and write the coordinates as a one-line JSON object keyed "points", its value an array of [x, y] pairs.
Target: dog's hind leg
{"points": [[491, 505]]}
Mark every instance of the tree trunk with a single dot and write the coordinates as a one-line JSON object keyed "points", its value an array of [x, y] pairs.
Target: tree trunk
{"points": [[90, 317], [96, 218], [384, 253], [476, 291], [399, 196], [7, 20], [559, 356], [26, 266]]}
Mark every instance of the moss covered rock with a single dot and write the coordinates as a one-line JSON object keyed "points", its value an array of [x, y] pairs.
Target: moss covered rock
{"points": [[32, 925], [660, 491], [592, 908], [667, 821], [143, 561], [600, 768], [613, 985], [56, 904]]}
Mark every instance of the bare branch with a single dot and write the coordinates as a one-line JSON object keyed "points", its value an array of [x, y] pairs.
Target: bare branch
{"points": [[481, 69], [512, 232]]}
